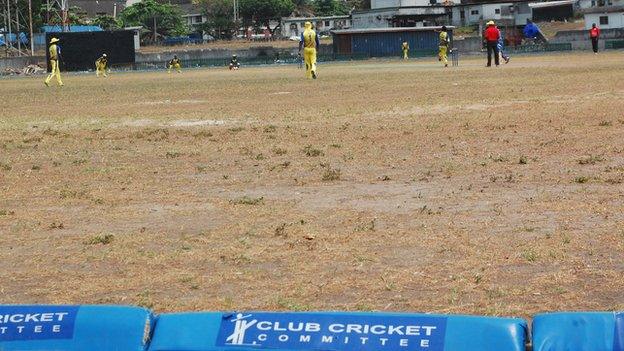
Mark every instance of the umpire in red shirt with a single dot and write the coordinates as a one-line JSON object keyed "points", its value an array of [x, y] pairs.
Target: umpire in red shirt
{"points": [[594, 34], [491, 36]]}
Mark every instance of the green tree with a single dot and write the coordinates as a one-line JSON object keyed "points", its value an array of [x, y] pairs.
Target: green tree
{"points": [[330, 7], [359, 4], [220, 14], [160, 19], [261, 12], [77, 16], [106, 22]]}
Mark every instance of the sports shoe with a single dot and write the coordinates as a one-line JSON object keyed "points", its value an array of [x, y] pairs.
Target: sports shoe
{"points": [[507, 60], [313, 75]]}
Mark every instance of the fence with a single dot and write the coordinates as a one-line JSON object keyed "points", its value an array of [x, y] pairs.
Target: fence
{"points": [[549, 47], [222, 62], [124, 328], [614, 44]]}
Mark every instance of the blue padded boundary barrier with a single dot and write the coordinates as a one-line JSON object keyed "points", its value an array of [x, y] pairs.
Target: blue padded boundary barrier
{"points": [[578, 331], [336, 331], [74, 328]]}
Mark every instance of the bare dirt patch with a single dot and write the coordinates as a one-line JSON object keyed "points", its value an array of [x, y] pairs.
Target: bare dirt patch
{"points": [[380, 186]]}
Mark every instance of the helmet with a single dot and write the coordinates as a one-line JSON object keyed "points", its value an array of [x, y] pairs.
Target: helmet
{"points": [[103, 55], [444, 28], [54, 40], [307, 25], [491, 23]]}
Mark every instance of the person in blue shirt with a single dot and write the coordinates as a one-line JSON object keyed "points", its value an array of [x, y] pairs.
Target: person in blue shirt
{"points": [[501, 49], [531, 31]]}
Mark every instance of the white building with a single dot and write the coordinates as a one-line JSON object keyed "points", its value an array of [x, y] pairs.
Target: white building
{"points": [[607, 17], [512, 12], [293, 26], [606, 14]]}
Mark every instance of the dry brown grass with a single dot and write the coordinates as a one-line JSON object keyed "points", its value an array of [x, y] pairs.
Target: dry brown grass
{"points": [[430, 190]]}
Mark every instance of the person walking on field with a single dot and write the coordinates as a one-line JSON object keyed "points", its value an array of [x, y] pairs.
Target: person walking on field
{"points": [[100, 65], [443, 47], [594, 35], [491, 35], [55, 57], [309, 42], [405, 49]]}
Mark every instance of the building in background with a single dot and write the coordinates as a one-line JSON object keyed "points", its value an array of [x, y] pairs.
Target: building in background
{"points": [[380, 42], [607, 14], [475, 12], [293, 26], [100, 7], [402, 13], [562, 10], [193, 16]]}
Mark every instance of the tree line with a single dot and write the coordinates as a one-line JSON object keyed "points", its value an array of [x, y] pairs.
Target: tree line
{"points": [[160, 18]]}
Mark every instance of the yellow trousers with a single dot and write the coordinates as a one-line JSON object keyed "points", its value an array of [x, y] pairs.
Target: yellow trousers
{"points": [[176, 66], [56, 72], [442, 54], [405, 54], [100, 69], [309, 57]]}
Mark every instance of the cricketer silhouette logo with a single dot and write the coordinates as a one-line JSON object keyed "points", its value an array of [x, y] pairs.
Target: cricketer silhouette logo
{"points": [[241, 324]]}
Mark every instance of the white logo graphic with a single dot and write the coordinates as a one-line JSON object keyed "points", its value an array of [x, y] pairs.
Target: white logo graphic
{"points": [[240, 327]]}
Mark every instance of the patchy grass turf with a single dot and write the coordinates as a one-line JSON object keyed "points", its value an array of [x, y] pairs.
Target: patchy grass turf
{"points": [[383, 185]]}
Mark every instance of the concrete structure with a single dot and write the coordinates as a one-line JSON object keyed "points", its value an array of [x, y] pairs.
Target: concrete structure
{"points": [[379, 42], [561, 10], [508, 12], [415, 16], [253, 53], [605, 17], [579, 39], [293, 26], [422, 13], [193, 15], [100, 7]]}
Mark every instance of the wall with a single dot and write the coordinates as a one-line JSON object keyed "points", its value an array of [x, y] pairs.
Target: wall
{"points": [[580, 38], [380, 44], [380, 4], [372, 19], [616, 20], [20, 62], [289, 25], [468, 45], [214, 54]]}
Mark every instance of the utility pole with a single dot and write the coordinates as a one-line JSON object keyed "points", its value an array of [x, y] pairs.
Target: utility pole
{"points": [[7, 37], [17, 30], [236, 17], [32, 38]]}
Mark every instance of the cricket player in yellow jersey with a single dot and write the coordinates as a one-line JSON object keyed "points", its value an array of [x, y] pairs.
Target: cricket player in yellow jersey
{"points": [[309, 42], [443, 48], [55, 57], [100, 65], [174, 63], [405, 48]]}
